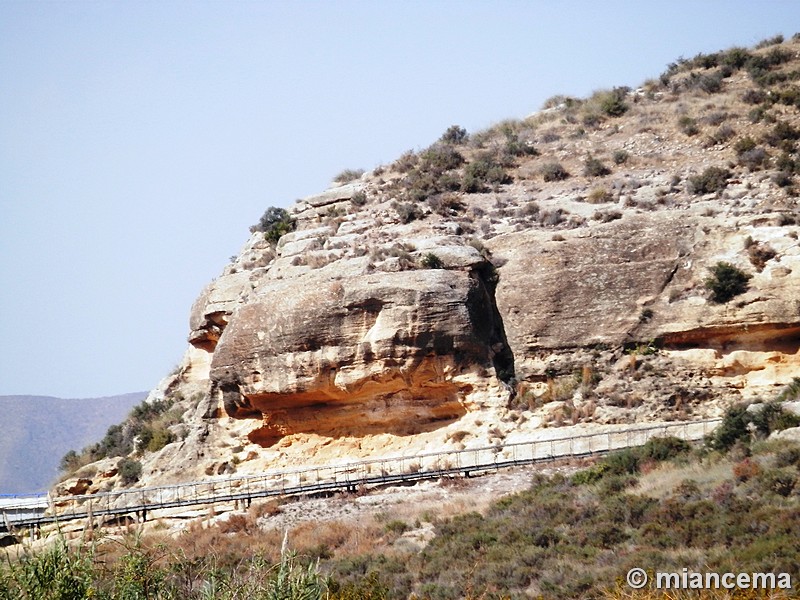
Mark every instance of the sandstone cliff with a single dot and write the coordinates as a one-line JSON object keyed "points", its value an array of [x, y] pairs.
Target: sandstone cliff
{"points": [[549, 271]]}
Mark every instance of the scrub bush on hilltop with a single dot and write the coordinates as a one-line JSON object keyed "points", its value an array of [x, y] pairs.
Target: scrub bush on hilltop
{"points": [[274, 223]]}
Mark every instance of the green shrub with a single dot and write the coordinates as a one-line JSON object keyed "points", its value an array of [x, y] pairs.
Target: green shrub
{"points": [[515, 147], [781, 132], [147, 411], [754, 96], [772, 417], [738, 423], [753, 159], [713, 179], [433, 173], [419, 185], [791, 392], [623, 462], [129, 470], [616, 484], [149, 421], [785, 162], [736, 57], [431, 261], [274, 223], [447, 205], [154, 439], [69, 462], [484, 172], [407, 212], [620, 157], [758, 114], [396, 526], [789, 96], [407, 161], [348, 175], [618, 466], [440, 158], [782, 178], [369, 588], [117, 441], [593, 167], [591, 475], [454, 135], [611, 102], [721, 135], [790, 457], [359, 198], [665, 448], [592, 119], [705, 61], [778, 481], [710, 83], [732, 429], [778, 39], [688, 125], [726, 282], [553, 171]]}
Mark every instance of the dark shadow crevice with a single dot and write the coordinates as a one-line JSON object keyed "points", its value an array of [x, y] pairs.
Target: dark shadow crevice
{"points": [[489, 324]]}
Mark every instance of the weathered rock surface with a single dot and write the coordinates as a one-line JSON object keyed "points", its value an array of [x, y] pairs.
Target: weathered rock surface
{"points": [[642, 279], [385, 351], [590, 288]]}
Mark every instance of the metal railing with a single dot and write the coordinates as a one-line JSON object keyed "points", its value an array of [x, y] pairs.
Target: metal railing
{"points": [[348, 475]]}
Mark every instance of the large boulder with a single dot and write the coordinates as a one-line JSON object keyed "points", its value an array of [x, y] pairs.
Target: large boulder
{"points": [[391, 351]]}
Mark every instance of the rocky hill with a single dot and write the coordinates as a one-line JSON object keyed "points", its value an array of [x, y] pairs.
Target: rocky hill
{"points": [[624, 258]]}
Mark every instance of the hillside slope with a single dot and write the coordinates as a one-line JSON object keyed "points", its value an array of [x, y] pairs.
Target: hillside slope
{"points": [[36, 431], [629, 257]]}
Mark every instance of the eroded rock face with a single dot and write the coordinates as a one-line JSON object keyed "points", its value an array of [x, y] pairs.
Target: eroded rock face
{"points": [[211, 310], [383, 352], [591, 287], [639, 284]]}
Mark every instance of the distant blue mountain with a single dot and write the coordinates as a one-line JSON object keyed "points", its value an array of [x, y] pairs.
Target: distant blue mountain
{"points": [[36, 431]]}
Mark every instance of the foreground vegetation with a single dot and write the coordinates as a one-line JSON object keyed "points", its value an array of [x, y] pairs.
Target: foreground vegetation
{"points": [[731, 506], [575, 537], [62, 573]]}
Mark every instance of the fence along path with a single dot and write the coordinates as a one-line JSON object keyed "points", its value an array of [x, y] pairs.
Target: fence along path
{"points": [[345, 476]]}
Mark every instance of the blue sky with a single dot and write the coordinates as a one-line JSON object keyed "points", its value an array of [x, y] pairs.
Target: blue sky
{"points": [[140, 140]]}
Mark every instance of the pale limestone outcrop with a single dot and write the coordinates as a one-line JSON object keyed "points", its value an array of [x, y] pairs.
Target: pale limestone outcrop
{"points": [[383, 352], [640, 279], [590, 288], [211, 311]]}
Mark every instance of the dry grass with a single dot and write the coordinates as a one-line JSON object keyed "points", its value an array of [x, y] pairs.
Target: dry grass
{"points": [[662, 481]]}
